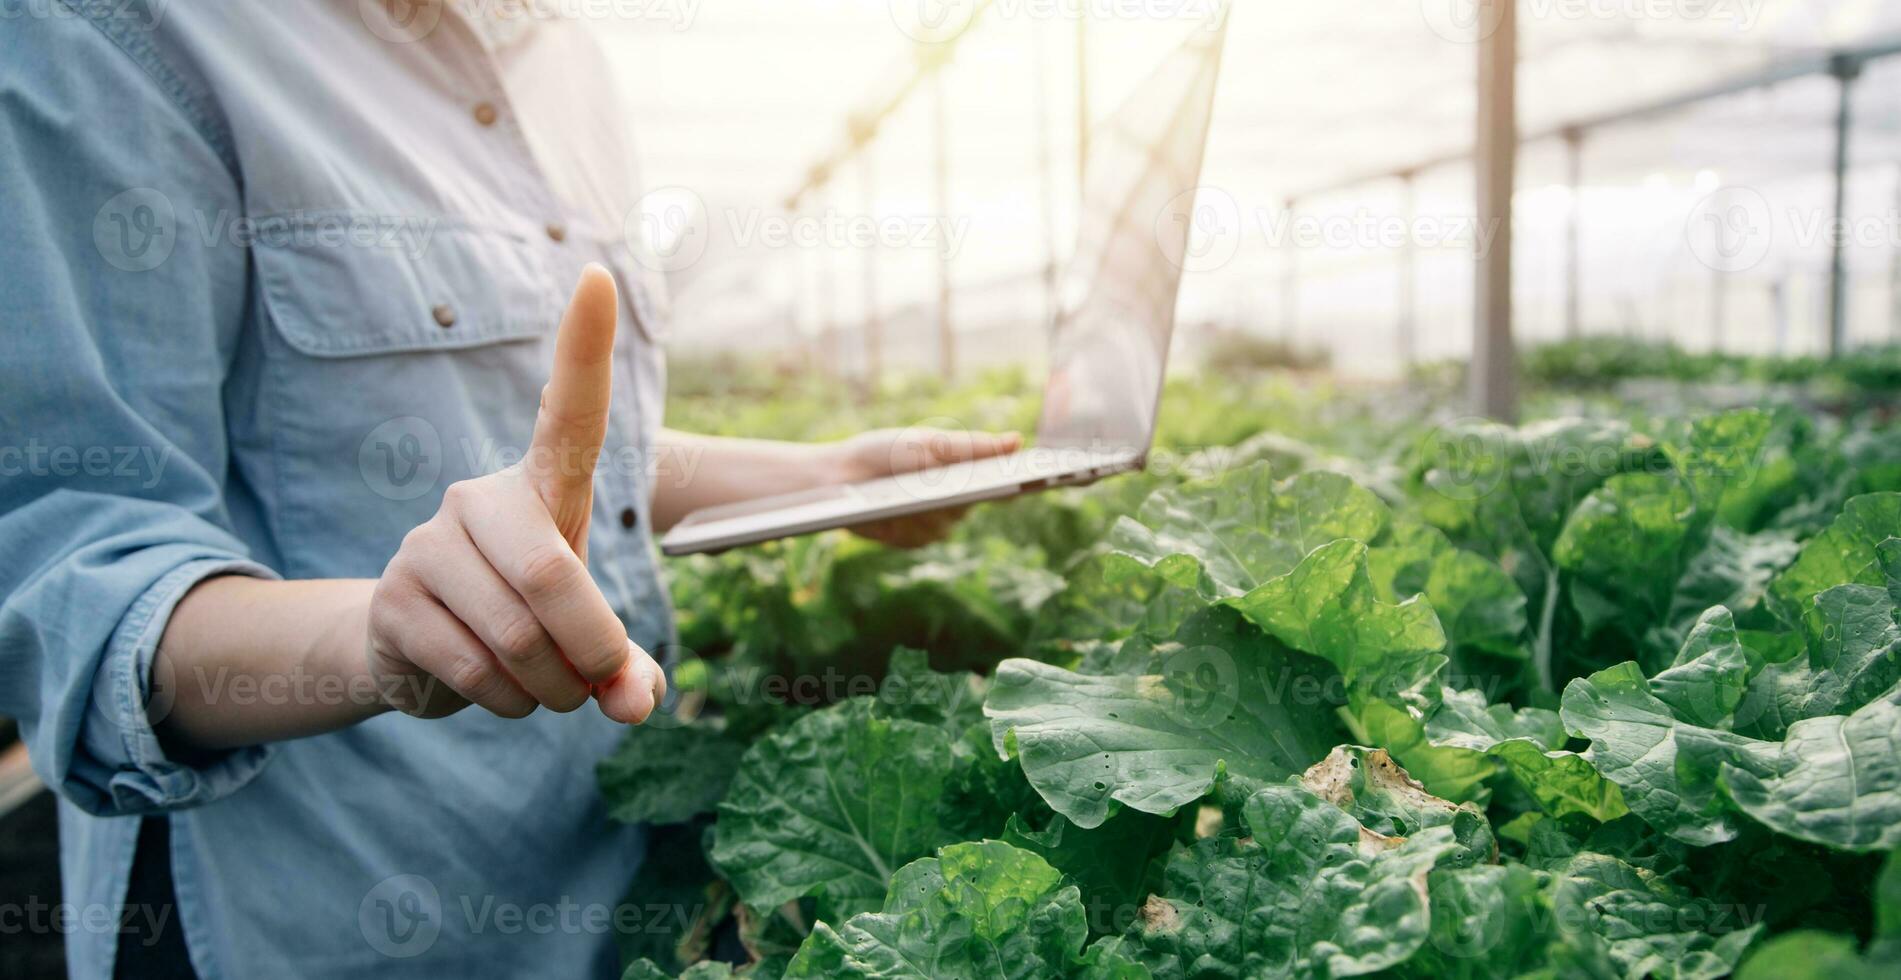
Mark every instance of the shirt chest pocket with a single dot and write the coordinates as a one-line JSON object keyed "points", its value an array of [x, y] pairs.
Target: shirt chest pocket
{"points": [[422, 288], [388, 374]]}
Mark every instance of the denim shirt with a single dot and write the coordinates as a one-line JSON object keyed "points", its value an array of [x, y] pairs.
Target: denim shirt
{"points": [[274, 276]]}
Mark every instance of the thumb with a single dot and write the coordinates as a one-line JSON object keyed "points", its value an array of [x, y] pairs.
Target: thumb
{"points": [[572, 423], [959, 447]]}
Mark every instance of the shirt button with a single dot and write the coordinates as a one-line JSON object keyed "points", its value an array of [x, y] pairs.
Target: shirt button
{"points": [[558, 233], [485, 114], [628, 519], [445, 316]]}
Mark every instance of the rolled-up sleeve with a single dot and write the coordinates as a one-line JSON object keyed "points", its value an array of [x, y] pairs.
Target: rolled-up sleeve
{"points": [[121, 316]]}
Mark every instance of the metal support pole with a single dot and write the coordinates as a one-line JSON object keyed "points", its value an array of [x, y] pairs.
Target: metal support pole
{"points": [[874, 325], [1719, 308], [1082, 101], [1573, 233], [1494, 372], [1409, 277], [1894, 274], [1846, 70], [946, 334], [798, 346], [828, 303], [1045, 161], [1290, 281], [801, 289], [1779, 304]]}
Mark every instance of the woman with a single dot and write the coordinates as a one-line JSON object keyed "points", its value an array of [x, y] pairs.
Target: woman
{"points": [[301, 469]]}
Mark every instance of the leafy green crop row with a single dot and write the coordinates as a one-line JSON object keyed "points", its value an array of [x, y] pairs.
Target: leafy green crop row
{"points": [[1597, 361], [1588, 698]]}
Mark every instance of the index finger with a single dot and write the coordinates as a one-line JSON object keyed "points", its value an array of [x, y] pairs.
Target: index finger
{"points": [[572, 423]]}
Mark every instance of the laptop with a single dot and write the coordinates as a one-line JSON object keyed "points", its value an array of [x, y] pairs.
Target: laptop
{"points": [[1109, 345]]}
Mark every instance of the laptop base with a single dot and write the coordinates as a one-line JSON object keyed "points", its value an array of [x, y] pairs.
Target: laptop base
{"points": [[717, 529]]}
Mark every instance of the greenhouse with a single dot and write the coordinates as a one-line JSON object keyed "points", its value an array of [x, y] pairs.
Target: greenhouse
{"points": [[1138, 489]]}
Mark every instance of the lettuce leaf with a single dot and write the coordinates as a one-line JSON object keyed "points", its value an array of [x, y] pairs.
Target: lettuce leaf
{"points": [[1311, 893], [1226, 702], [979, 911]]}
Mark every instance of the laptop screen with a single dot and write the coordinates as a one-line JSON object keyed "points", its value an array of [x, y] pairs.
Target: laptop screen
{"points": [[1109, 349]]}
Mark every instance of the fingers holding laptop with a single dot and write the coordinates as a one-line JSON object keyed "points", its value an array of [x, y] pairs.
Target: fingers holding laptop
{"points": [[895, 452], [914, 531]]}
